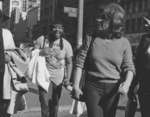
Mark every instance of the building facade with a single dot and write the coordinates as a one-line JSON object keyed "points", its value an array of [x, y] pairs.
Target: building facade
{"points": [[18, 24], [33, 19], [134, 22], [47, 15], [135, 11], [8, 7]]}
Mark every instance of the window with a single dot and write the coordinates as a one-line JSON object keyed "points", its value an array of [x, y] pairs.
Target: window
{"points": [[140, 5], [46, 11], [127, 26], [139, 21], [15, 3], [133, 25], [14, 8], [145, 4]]}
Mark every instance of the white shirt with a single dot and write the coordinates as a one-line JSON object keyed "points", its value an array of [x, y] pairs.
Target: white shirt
{"points": [[8, 39], [55, 62]]}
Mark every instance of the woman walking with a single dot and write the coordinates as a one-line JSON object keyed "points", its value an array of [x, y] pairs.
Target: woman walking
{"points": [[109, 64]]}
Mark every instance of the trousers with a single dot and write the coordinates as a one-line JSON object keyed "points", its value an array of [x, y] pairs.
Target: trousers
{"points": [[101, 98], [3, 103], [50, 100], [144, 100]]}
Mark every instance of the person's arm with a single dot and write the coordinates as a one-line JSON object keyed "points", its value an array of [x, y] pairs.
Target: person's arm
{"points": [[124, 87], [79, 65], [68, 71], [77, 73], [127, 68]]}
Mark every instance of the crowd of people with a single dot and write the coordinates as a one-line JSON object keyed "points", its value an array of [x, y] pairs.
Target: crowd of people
{"points": [[105, 55]]}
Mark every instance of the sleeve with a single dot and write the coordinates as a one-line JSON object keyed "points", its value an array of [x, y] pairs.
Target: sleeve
{"points": [[81, 56], [39, 42], [69, 51], [8, 40], [127, 64]]}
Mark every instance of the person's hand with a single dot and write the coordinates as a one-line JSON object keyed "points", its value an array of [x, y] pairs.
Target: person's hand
{"points": [[76, 92], [45, 52], [124, 88], [7, 58], [66, 82]]}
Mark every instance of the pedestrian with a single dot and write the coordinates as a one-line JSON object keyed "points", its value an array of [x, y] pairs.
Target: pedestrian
{"points": [[3, 58], [142, 64], [7, 57], [58, 56], [109, 64]]}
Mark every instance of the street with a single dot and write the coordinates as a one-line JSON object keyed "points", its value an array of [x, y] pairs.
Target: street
{"points": [[33, 105]]}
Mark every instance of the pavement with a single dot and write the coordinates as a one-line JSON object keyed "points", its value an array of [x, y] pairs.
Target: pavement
{"points": [[33, 105]]}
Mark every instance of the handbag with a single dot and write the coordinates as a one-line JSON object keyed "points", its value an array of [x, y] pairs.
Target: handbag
{"points": [[20, 85], [19, 82]]}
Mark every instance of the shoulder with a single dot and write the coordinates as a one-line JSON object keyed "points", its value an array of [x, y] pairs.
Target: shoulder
{"points": [[7, 35], [66, 42], [124, 39], [39, 39], [6, 32]]}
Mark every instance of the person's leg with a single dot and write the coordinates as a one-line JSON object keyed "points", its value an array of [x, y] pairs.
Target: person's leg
{"points": [[54, 102], [4, 105], [144, 100], [93, 94], [44, 99], [110, 99]]}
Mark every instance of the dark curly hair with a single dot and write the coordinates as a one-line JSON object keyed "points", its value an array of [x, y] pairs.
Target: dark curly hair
{"points": [[51, 36], [115, 13]]}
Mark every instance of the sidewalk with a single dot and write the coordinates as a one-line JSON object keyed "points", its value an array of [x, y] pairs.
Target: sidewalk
{"points": [[33, 104], [36, 112], [63, 112]]}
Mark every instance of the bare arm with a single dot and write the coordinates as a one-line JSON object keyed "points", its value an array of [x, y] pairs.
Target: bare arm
{"points": [[76, 81], [68, 68], [128, 69], [124, 87], [77, 77]]}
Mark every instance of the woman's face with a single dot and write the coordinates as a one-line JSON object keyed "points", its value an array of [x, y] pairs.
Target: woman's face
{"points": [[57, 30], [102, 23]]}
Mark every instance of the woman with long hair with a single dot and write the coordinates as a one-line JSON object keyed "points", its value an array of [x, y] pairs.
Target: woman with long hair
{"points": [[109, 64], [58, 56]]}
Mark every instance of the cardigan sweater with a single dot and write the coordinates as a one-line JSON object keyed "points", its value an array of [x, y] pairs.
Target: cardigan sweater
{"points": [[106, 60]]}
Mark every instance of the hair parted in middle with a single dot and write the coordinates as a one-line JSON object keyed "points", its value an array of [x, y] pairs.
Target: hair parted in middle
{"points": [[51, 36], [115, 13]]}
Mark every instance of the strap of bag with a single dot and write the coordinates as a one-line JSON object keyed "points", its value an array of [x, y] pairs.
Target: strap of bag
{"points": [[43, 42]]}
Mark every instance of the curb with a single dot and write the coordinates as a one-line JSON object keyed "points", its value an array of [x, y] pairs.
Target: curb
{"points": [[38, 109]]}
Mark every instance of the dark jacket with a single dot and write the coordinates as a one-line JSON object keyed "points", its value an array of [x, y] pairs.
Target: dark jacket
{"points": [[142, 62], [2, 55]]}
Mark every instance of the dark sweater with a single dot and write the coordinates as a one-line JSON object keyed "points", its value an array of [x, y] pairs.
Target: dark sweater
{"points": [[106, 60]]}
